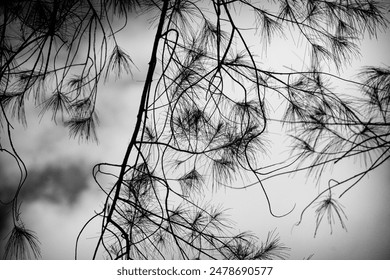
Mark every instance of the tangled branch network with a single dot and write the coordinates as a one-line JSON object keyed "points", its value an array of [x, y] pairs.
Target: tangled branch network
{"points": [[204, 115]]}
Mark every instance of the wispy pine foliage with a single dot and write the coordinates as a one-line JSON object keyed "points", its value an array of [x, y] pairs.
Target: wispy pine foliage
{"points": [[206, 111], [22, 244]]}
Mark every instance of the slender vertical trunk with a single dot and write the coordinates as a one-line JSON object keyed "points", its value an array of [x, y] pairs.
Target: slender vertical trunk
{"points": [[140, 115]]}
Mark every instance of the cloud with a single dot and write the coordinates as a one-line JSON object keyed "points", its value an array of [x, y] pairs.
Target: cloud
{"points": [[56, 183], [60, 183]]}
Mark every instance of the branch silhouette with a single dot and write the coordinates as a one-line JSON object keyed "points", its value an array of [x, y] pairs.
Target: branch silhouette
{"points": [[204, 117]]}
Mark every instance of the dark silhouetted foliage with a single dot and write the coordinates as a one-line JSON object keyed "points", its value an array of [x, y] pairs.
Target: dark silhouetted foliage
{"points": [[204, 116]]}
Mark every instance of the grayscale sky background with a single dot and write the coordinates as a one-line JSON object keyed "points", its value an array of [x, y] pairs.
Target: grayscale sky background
{"points": [[60, 195]]}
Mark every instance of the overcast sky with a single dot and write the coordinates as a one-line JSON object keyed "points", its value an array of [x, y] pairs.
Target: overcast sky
{"points": [[60, 195]]}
